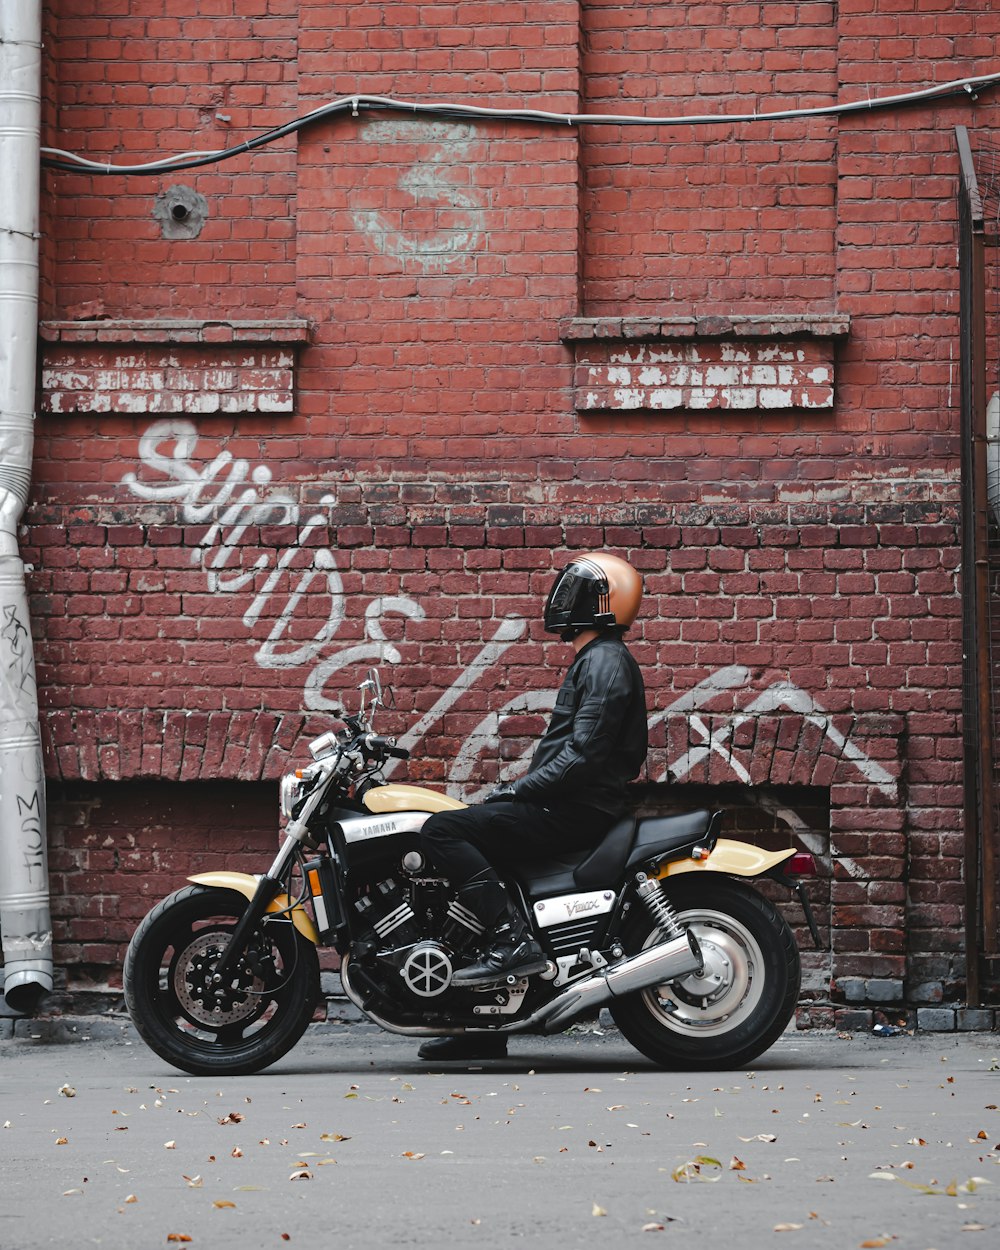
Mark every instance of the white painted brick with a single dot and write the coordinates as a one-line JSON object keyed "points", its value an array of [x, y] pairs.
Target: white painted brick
{"points": [[774, 397], [666, 397]]}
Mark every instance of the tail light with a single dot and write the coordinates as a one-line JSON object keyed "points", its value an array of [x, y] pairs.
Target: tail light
{"points": [[801, 864]]}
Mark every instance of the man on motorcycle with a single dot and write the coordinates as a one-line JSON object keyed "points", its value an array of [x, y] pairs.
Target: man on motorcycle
{"points": [[573, 792]]}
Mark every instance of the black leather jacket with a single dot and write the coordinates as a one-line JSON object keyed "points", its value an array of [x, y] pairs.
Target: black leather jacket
{"points": [[597, 738]]}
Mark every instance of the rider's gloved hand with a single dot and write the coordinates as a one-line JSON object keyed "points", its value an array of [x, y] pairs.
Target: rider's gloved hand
{"points": [[502, 794]]}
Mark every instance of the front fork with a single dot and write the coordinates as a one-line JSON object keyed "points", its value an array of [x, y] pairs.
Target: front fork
{"points": [[268, 888]]}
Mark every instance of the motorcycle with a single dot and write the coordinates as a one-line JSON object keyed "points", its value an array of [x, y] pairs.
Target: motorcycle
{"points": [[659, 923]]}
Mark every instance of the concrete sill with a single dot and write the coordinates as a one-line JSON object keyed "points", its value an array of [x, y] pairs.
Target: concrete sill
{"points": [[712, 326], [285, 331]]}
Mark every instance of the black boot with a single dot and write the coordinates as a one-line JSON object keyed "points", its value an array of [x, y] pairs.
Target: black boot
{"points": [[511, 950], [465, 1046]]}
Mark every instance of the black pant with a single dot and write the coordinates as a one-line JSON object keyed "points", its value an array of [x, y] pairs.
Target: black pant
{"points": [[463, 842]]}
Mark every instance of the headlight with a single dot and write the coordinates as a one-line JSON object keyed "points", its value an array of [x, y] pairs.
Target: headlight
{"points": [[290, 792], [323, 746]]}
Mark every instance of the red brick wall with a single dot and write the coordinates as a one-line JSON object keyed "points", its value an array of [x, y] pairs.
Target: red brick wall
{"points": [[209, 576], [720, 216], [137, 81]]}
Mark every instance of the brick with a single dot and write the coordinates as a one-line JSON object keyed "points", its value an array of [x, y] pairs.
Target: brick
{"points": [[853, 1019], [936, 1019], [975, 1019]]}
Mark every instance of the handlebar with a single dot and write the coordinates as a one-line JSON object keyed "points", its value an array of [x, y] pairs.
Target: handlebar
{"points": [[375, 744]]}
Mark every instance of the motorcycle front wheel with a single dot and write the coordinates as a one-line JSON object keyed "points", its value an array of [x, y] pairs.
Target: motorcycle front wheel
{"points": [[204, 1027], [743, 998]]}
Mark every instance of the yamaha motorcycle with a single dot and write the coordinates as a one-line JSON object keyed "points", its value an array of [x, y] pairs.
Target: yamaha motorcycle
{"points": [[659, 923]]}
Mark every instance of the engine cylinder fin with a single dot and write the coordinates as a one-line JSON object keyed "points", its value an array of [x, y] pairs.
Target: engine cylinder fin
{"points": [[463, 915], [399, 915]]}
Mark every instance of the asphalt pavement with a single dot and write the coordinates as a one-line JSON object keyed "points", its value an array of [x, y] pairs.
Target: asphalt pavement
{"points": [[350, 1141]]}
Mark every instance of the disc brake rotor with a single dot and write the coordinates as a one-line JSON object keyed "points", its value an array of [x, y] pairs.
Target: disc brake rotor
{"points": [[206, 1001]]}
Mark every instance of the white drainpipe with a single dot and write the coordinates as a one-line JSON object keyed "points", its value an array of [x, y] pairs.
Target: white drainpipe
{"points": [[24, 894]]}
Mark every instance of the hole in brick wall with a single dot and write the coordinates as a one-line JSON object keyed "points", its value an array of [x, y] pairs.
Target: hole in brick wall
{"points": [[181, 212], [770, 816], [117, 848]]}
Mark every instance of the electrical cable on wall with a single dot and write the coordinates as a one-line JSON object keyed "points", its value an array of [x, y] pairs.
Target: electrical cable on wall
{"points": [[69, 162]]}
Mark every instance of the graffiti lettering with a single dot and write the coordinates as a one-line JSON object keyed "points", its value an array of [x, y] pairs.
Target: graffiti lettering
{"points": [[232, 497], [431, 187], [243, 498], [21, 665], [29, 813]]}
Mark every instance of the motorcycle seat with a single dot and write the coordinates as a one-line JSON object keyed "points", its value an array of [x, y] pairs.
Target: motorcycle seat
{"points": [[663, 834], [586, 869], [627, 844]]}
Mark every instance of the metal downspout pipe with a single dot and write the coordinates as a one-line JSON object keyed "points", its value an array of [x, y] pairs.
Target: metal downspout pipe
{"points": [[24, 896]]}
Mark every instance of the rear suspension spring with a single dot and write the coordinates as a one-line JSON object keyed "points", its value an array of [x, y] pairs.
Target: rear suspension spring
{"points": [[658, 905]]}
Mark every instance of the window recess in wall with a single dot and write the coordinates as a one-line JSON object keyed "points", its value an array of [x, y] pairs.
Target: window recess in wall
{"points": [[711, 363]]}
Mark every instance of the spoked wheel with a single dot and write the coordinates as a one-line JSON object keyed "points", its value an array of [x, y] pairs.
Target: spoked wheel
{"points": [[744, 996], [205, 1026]]}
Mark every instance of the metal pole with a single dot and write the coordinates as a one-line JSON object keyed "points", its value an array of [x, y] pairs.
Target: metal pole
{"points": [[980, 812], [24, 899]]}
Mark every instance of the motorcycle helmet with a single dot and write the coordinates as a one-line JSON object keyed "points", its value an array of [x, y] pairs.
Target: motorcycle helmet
{"points": [[594, 591]]}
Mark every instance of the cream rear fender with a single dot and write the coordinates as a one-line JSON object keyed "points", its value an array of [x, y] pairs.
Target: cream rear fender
{"points": [[243, 883], [402, 798], [736, 859]]}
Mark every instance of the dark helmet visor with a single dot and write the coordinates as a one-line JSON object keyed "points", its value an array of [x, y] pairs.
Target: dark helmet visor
{"points": [[562, 598], [576, 600]]}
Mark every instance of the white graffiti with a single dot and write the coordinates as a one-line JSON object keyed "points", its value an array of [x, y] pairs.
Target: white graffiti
{"points": [[442, 223], [483, 739], [242, 498], [780, 694], [231, 498]]}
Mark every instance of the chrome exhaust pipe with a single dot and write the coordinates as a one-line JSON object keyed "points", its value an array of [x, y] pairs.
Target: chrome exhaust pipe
{"points": [[665, 962]]}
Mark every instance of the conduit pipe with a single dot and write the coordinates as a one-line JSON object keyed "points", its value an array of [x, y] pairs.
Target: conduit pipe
{"points": [[24, 896]]}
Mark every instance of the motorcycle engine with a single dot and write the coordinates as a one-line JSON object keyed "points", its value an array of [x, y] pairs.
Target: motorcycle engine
{"points": [[416, 931]]}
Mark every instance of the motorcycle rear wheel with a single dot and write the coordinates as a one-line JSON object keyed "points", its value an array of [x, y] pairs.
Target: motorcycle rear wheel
{"points": [[743, 999], [205, 1028]]}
